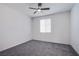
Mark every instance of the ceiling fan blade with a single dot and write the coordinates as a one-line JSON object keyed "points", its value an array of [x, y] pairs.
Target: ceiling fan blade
{"points": [[32, 8], [45, 8], [35, 12]]}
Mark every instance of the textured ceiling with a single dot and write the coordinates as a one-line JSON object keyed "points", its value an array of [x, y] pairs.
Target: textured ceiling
{"points": [[54, 8]]}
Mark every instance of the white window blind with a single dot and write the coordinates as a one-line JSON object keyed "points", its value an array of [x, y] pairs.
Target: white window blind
{"points": [[45, 25]]}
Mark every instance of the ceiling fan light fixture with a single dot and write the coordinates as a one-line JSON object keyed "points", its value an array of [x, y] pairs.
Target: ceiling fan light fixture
{"points": [[39, 10]]}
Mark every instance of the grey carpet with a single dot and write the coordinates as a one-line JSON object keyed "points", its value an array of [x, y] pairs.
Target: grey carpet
{"points": [[39, 48]]}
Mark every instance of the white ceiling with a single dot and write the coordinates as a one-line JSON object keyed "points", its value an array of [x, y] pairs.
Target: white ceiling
{"points": [[54, 8]]}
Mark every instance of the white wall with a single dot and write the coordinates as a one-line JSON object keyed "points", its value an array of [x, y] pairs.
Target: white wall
{"points": [[60, 28], [75, 27], [15, 28]]}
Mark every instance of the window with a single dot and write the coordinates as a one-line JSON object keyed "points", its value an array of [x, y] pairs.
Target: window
{"points": [[45, 25]]}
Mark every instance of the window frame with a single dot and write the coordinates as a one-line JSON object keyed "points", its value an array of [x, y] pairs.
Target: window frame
{"points": [[45, 23]]}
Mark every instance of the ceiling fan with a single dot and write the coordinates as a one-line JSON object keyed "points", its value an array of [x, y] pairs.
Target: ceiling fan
{"points": [[39, 8]]}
